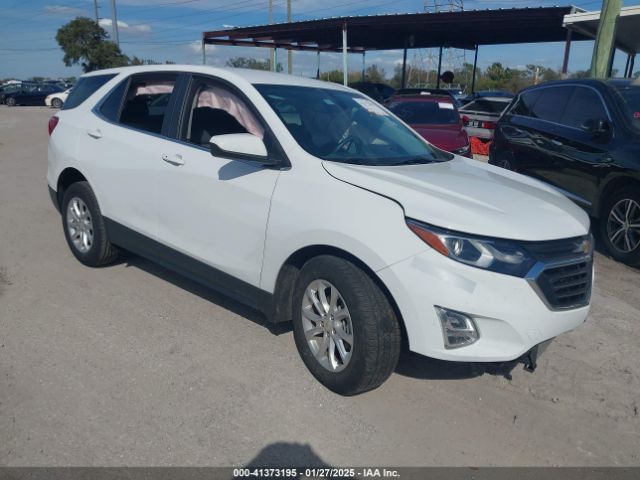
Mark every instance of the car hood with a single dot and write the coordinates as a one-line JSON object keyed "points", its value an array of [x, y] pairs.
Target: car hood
{"points": [[445, 137], [469, 196]]}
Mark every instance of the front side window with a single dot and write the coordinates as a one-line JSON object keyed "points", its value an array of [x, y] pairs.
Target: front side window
{"points": [[347, 127], [426, 112], [585, 104], [84, 88], [146, 102], [216, 110]]}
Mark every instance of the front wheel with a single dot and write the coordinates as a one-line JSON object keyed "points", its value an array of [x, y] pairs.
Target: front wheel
{"points": [[11, 102], [620, 225], [346, 332]]}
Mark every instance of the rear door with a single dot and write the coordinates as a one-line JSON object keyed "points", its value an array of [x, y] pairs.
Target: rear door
{"points": [[124, 142]]}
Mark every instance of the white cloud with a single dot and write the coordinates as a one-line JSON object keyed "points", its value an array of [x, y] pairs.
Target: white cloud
{"points": [[62, 10], [140, 28]]}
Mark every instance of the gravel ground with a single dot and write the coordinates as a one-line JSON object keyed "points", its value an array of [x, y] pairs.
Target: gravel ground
{"points": [[134, 365]]}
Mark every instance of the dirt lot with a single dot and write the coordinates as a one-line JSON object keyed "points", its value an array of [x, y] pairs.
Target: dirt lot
{"points": [[133, 365]]}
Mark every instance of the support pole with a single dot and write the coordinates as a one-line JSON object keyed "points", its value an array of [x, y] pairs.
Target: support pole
{"points": [[272, 51], [289, 52], [610, 66], [363, 71], [275, 59], [204, 52], [439, 67], [626, 66], [114, 23], [604, 45], [631, 65], [403, 81], [567, 50], [95, 10], [345, 73], [475, 67], [318, 67]]}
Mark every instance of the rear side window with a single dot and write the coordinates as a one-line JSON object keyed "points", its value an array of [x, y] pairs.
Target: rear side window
{"points": [[146, 101], [84, 88], [551, 104], [524, 105], [585, 104]]}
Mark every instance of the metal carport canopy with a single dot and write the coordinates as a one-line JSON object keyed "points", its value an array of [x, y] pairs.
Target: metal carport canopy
{"points": [[466, 29]]}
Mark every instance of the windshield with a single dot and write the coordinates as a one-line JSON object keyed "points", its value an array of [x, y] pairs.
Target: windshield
{"points": [[631, 100], [347, 127], [426, 112]]}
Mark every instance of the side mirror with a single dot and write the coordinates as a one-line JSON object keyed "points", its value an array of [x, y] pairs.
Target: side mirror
{"points": [[599, 129], [240, 146]]}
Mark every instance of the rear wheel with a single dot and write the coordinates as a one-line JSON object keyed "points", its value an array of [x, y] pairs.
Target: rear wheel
{"points": [[56, 103], [620, 225], [84, 226], [345, 330]]}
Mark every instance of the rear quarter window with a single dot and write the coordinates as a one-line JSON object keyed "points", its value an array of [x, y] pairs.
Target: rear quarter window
{"points": [[84, 88]]}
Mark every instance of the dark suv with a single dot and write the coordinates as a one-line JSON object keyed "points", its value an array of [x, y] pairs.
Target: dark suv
{"points": [[582, 137]]}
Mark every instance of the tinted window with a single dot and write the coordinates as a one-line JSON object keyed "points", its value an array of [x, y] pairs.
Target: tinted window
{"points": [[84, 88], [421, 113], [524, 105], [146, 101], [347, 127], [216, 110], [585, 104], [111, 106], [551, 104]]}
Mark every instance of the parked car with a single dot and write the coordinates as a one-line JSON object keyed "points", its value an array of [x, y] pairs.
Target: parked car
{"points": [[314, 204], [31, 95], [380, 92], [436, 118], [485, 94], [423, 91], [56, 100], [582, 137], [480, 116], [9, 88]]}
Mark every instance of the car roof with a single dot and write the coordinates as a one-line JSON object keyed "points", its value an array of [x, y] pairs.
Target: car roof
{"points": [[254, 77]]}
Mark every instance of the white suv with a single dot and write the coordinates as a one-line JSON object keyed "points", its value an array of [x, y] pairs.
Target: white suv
{"points": [[312, 203]]}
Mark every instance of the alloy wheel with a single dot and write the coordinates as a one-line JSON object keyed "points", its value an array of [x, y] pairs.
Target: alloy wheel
{"points": [[79, 225], [327, 326], [623, 225]]}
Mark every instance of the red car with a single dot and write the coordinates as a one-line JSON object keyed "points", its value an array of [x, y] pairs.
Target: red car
{"points": [[436, 118]]}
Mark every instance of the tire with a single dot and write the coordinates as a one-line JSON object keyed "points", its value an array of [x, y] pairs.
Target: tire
{"points": [[361, 309], [11, 102], [620, 228], [56, 103], [80, 208]]}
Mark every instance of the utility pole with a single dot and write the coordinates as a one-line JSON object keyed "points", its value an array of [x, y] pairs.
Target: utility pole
{"points": [[289, 52], [95, 9], [114, 23], [272, 50], [604, 45]]}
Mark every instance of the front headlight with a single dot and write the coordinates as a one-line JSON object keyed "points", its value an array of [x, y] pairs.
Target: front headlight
{"points": [[497, 255]]}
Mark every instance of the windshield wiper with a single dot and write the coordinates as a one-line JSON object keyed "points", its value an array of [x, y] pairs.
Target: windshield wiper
{"points": [[414, 161]]}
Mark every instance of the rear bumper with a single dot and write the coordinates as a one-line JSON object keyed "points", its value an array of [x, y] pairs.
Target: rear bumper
{"points": [[510, 316]]}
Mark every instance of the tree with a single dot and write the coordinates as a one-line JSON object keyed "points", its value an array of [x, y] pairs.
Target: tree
{"points": [[375, 74], [85, 42]]}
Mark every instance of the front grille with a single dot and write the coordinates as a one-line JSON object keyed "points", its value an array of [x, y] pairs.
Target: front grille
{"points": [[563, 275]]}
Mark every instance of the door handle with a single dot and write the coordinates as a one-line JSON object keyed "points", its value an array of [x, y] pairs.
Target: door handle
{"points": [[95, 133], [175, 159], [557, 142]]}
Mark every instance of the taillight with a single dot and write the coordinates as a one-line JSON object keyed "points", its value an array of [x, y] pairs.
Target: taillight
{"points": [[53, 121], [489, 125], [465, 120]]}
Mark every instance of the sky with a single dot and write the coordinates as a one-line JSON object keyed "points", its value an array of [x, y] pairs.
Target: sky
{"points": [[171, 30]]}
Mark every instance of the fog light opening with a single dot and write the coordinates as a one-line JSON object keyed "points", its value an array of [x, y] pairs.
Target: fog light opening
{"points": [[458, 329]]}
